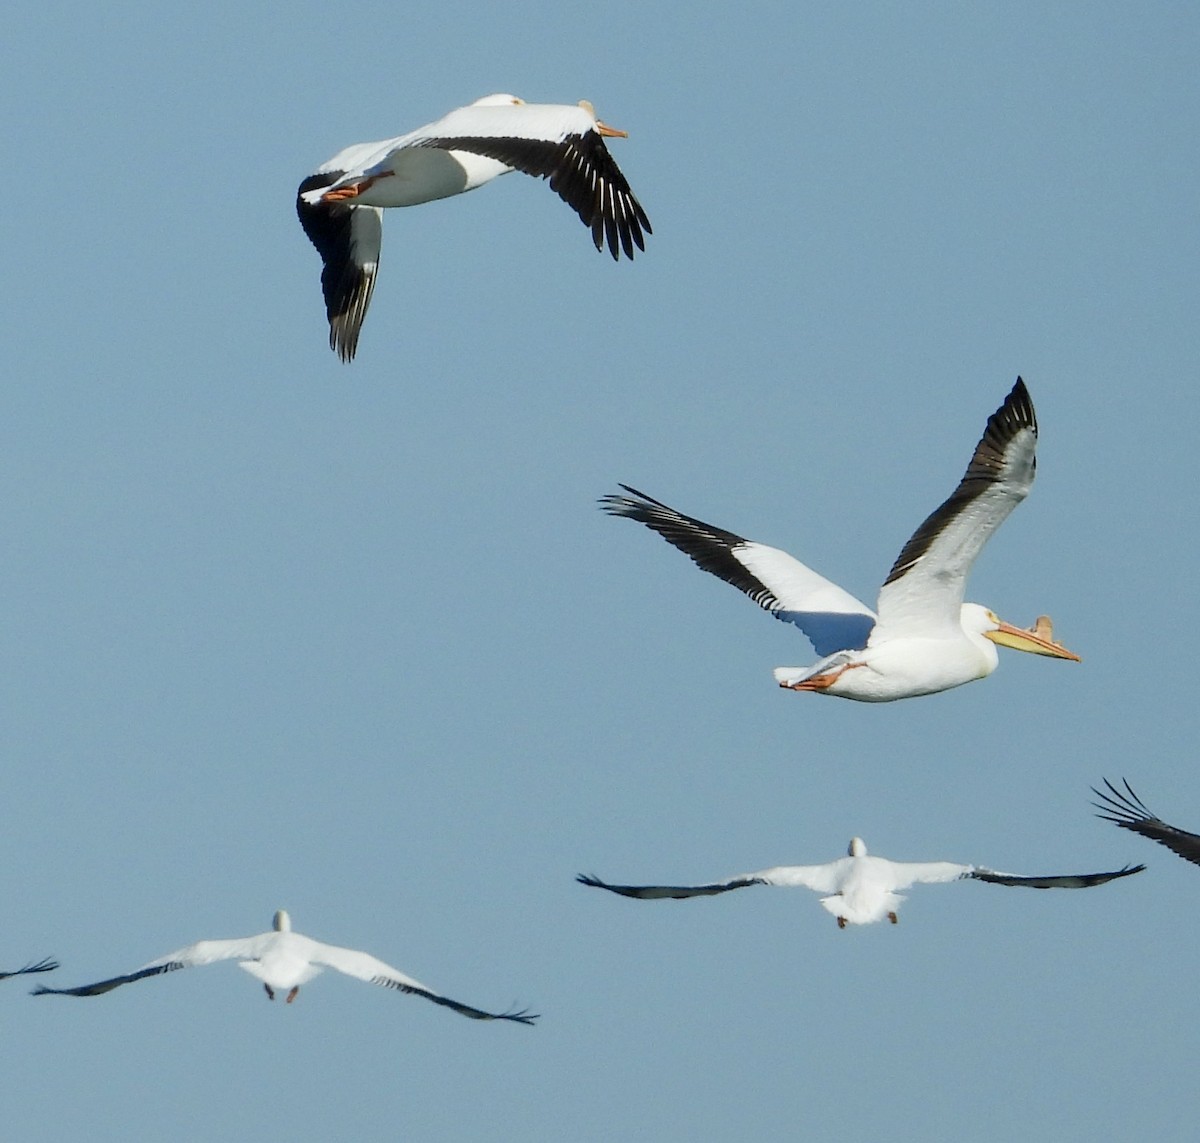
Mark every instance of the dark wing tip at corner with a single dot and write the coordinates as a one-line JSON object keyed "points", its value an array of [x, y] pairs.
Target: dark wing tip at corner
{"points": [[1127, 810], [46, 964]]}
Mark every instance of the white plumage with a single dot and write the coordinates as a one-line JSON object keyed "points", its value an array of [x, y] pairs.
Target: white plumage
{"points": [[340, 205], [283, 959], [861, 889], [925, 638]]}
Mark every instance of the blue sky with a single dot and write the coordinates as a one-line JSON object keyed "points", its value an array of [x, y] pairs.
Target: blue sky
{"points": [[356, 641]]}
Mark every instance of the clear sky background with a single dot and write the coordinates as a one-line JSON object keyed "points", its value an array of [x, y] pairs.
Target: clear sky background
{"points": [[356, 641]]}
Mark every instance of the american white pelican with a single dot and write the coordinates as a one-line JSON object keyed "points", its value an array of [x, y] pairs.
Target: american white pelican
{"points": [[1127, 811], [284, 959], [45, 965], [861, 888], [340, 203], [925, 638]]}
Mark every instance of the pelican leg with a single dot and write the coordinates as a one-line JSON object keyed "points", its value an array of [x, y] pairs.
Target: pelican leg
{"points": [[353, 190], [841, 922], [893, 918], [821, 682], [293, 994], [269, 991]]}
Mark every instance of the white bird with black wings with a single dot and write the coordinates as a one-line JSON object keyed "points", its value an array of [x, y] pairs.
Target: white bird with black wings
{"points": [[861, 888], [341, 203], [282, 959], [925, 638]]}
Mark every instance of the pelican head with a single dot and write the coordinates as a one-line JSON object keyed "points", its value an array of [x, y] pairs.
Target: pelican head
{"points": [[857, 847], [603, 128], [500, 100], [282, 922], [1038, 640]]}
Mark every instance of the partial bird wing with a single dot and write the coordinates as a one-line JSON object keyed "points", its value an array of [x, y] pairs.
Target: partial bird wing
{"points": [[348, 238], [678, 892], [905, 874], [1127, 811], [1060, 881], [924, 590], [832, 618], [555, 142], [902, 874], [822, 878], [45, 965], [201, 953], [363, 966]]}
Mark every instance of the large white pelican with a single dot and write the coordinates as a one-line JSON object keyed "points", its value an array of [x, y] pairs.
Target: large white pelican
{"points": [[340, 203], [1127, 811], [861, 889], [925, 638], [282, 959], [45, 965]]}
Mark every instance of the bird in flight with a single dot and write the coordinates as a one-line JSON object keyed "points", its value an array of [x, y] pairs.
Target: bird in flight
{"points": [[924, 638], [861, 888], [284, 960], [341, 203]]}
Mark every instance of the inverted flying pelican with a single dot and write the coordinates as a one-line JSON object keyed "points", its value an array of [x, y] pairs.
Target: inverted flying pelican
{"points": [[282, 959], [1127, 811], [925, 638], [861, 889], [340, 204], [46, 965]]}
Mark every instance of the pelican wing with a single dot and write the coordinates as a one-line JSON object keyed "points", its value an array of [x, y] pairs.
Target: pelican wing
{"points": [[832, 618], [363, 966], [47, 964], [201, 953], [1057, 881], [902, 874], [924, 590], [348, 238], [1127, 811], [558, 143], [678, 892], [823, 878]]}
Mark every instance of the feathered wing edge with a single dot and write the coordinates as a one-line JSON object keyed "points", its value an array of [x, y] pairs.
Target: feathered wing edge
{"points": [[46, 964], [581, 172], [1061, 881], [780, 584], [677, 892], [348, 238], [1128, 811]]}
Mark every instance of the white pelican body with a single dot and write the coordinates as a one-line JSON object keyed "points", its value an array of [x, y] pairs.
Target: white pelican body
{"points": [[861, 889], [340, 204], [925, 638], [283, 959]]}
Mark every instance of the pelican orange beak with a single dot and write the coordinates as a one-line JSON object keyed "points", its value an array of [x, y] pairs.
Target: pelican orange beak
{"points": [[1039, 640]]}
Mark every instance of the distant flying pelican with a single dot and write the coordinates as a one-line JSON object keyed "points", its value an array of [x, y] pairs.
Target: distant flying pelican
{"points": [[284, 959], [1127, 811], [862, 889], [340, 203], [925, 638], [46, 965]]}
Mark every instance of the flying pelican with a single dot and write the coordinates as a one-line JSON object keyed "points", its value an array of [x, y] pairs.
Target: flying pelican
{"points": [[925, 638], [45, 965], [1127, 811], [284, 959], [862, 889], [340, 203]]}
